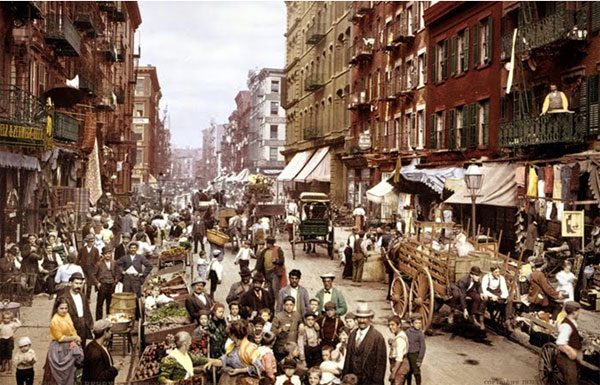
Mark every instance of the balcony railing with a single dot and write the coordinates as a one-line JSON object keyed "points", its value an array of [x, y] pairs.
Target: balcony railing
{"points": [[121, 52], [120, 94], [360, 9], [117, 13], [315, 33], [87, 19], [61, 33], [108, 48], [400, 32], [359, 101], [106, 100], [107, 6], [545, 129], [313, 82], [560, 27], [25, 113], [362, 50], [392, 88], [88, 82], [65, 127], [311, 132]]}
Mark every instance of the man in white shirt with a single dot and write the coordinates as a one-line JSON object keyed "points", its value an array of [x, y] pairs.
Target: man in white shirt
{"points": [[569, 343], [79, 307], [63, 274], [243, 256]]}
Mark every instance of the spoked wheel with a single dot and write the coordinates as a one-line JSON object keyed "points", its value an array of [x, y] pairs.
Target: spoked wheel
{"points": [[548, 371], [422, 298], [399, 296]]}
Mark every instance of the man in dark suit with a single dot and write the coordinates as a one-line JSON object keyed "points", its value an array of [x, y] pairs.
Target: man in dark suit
{"points": [[121, 249], [88, 257], [106, 275], [366, 356], [98, 365], [134, 269], [79, 307], [252, 301], [239, 288], [468, 286], [198, 301], [198, 232]]}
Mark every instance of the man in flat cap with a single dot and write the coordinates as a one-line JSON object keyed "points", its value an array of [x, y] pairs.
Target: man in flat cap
{"points": [[88, 257], [121, 249], [329, 293], [199, 300], [106, 275], [271, 264], [293, 289], [240, 287], [79, 306], [569, 343], [468, 286], [134, 268], [98, 364], [256, 298]]}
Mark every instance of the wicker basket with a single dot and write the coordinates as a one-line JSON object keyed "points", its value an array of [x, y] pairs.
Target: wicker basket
{"points": [[217, 237]]}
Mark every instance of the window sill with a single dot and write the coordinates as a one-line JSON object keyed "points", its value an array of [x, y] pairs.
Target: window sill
{"points": [[483, 66], [420, 86], [440, 82], [460, 75]]}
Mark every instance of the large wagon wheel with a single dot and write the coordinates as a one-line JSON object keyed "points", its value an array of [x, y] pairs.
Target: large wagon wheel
{"points": [[422, 298], [548, 371], [399, 296]]}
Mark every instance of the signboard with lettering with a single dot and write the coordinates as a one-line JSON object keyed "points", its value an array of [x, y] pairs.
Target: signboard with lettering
{"points": [[21, 135], [364, 140]]}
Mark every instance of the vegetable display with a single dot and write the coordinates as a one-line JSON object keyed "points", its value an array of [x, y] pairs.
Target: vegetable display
{"points": [[173, 254], [167, 314]]}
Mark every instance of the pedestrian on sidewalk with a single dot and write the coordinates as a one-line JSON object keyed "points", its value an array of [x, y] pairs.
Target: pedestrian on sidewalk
{"points": [[134, 268], [24, 361], [202, 265], [299, 293], [198, 300], [329, 293], [198, 232], [271, 264], [98, 364], [243, 256], [569, 343], [399, 366], [238, 288], [358, 257], [215, 271], [416, 348], [107, 278], [88, 257]]}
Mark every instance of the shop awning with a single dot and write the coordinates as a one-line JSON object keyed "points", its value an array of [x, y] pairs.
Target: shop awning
{"points": [[18, 161], [499, 187], [381, 191], [243, 175], [433, 178], [296, 164], [318, 168]]}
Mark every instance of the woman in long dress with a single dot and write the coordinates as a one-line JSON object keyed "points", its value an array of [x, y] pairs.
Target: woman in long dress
{"points": [[65, 352]]}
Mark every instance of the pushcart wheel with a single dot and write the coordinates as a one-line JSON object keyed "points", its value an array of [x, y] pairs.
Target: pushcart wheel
{"points": [[399, 296], [422, 297], [548, 371]]}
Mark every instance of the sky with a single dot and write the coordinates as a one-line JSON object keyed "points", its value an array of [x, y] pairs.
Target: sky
{"points": [[203, 52]]}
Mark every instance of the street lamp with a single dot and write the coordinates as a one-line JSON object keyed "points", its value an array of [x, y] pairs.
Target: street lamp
{"points": [[474, 181], [161, 182]]}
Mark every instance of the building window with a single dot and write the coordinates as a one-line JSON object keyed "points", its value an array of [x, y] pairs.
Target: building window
{"points": [[138, 127], [421, 18], [139, 87], [440, 129], [275, 86], [408, 133], [483, 123], [274, 133], [409, 20], [422, 71], [138, 136], [411, 74], [139, 109], [274, 108], [442, 59], [420, 129], [139, 157], [457, 121], [273, 153], [462, 51], [482, 38]]}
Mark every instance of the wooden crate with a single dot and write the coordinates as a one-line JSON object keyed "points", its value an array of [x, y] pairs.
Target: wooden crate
{"points": [[160, 336]]}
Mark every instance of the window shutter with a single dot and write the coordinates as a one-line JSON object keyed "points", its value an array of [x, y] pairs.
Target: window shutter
{"points": [[453, 56], [503, 109], [486, 123], [451, 130], [432, 131], [414, 133], [433, 63], [445, 59], [595, 16], [583, 101], [464, 127], [475, 45], [473, 125], [490, 41], [425, 65], [466, 49], [593, 88]]}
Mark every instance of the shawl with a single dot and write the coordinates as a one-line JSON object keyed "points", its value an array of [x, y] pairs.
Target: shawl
{"points": [[184, 360], [61, 327], [248, 352], [62, 359]]}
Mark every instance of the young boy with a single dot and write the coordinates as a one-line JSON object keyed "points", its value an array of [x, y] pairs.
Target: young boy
{"points": [[416, 348], [351, 321], [289, 368], [398, 348], [330, 325], [309, 342], [330, 370], [243, 256], [203, 329], [24, 361], [234, 312], [314, 306], [265, 314], [7, 342]]}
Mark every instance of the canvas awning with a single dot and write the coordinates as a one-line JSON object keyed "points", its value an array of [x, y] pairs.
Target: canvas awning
{"points": [[499, 187], [18, 161], [318, 168], [296, 164], [243, 175], [380, 192], [434, 178]]}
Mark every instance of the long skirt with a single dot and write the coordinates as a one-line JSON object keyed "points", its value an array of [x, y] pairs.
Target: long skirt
{"points": [[61, 363]]}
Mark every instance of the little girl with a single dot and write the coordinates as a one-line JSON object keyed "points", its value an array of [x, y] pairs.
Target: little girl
{"points": [[24, 361], [234, 312], [339, 353], [314, 376], [202, 265], [7, 342]]}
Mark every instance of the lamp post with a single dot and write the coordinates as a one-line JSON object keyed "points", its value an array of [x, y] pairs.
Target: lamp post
{"points": [[161, 182], [474, 181]]}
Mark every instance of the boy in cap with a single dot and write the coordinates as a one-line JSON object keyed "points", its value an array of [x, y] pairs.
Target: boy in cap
{"points": [[215, 271], [569, 343], [24, 361], [468, 286], [309, 342], [98, 364], [330, 325], [416, 348]]}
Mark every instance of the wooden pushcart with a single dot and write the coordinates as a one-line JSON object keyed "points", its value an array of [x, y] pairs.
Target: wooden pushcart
{"points": [[423, 274]]}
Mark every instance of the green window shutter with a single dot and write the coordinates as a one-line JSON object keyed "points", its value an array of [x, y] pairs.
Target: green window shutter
{"points": [[432, 62], [473, 125], [451, 130], [486, 123], [432, 132], [466, 49], [490, 42], [445, 59], [593, 89], [475, 45], [453, 56], [464, 126]]}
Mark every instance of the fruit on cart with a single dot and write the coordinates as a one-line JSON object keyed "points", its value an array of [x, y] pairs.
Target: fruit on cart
{"points": [[173, 253]]}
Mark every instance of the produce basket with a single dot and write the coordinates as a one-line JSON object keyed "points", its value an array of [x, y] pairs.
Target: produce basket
{"points": [[168, 319], [120, 322], [217, 237], [174, 254]]}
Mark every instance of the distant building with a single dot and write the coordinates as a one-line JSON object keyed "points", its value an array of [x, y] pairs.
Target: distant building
{"points": [[267, 122], [184, 163]]}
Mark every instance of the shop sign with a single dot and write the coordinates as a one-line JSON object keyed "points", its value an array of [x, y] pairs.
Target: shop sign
{"points": [[21, 135], [364, 141], [572, 224]]}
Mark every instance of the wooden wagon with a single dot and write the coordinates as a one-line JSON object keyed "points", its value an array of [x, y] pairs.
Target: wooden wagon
{"points": [[271, 211], [423, 274]]}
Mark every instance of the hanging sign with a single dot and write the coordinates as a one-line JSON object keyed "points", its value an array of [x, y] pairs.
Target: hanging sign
{"points": [[572, 224], [364, 141], [21, 135]]}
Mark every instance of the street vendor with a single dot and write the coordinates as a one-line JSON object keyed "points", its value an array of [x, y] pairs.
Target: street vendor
{"points": [[198, 300], [179, 364], [569, 343], [541, 291], [156, 299], [134, 268]]}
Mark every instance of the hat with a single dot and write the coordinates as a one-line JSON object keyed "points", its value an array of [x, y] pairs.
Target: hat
{"points": [[24, 341], [101, 325], [127, 210], [571, 306], [363, 310], [90, 237], [199, 281], [288, 298], [76, 275], [329, 306], [258, 277], [270, 240], [289, 363], [126, 235], [295, 273], [216, 252], [245, 272], [107, 249], [133, 243], [328, 275], [538, 262], [475, 270]]}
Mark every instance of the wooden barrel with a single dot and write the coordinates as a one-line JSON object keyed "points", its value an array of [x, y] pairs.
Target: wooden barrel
{"points": [[123, 303], [374, 269]]}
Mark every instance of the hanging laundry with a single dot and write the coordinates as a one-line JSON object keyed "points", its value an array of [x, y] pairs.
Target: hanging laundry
{"points": [[549, 179], [575, 175], [557, 186], [532, 183], [560, 208], [520, 179], [549, 207], [541, 188], [565, 181]]}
